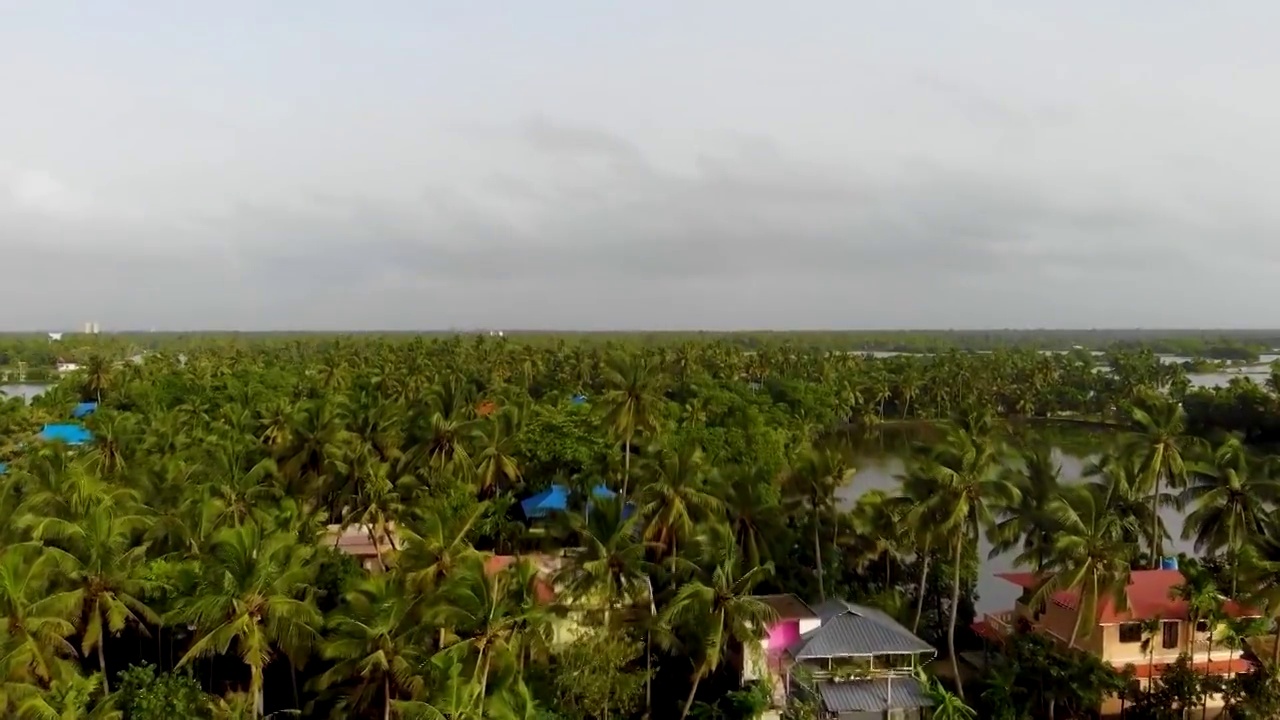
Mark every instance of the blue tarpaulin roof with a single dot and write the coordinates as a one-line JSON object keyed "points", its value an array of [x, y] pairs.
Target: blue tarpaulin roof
{"points": [[555, 499], [69, 433], [579, 399], [3, 468], [83, 409]]}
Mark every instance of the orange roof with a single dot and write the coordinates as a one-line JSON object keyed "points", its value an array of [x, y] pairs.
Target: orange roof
{"points": [[542, 589], [1217, 667], [984, 630], [1148, 593]]}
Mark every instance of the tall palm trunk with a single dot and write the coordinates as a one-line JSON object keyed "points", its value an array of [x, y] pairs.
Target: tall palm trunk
{"points": [[817, 553], [1208, 656], [955, 611], [626, 466], [1075, 629], [688, 703], [386, 697], [1156, 545], [255, 689], [377, 549], [102, 664], [924, 577]]}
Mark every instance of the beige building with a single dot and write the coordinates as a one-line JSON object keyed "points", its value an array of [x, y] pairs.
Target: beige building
{"points": [[1116, 636]]}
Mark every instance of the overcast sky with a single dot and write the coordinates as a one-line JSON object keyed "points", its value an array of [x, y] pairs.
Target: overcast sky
{"points": [[325, 164]]}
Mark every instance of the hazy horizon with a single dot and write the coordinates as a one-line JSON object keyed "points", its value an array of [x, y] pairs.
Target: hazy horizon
{"points": [[570, 166]]}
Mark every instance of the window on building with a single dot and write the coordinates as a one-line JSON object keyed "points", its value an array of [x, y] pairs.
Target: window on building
{"points": [[1202, 626], [1169, 640], [1131, 633], [895, 661]]}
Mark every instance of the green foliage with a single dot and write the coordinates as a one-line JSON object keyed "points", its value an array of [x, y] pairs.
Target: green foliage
{"points": [[598, 675], [145, 695]]}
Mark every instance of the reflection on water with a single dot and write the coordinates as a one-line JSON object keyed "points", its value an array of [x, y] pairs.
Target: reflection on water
{"points": [[25, 391], [880, 460]]}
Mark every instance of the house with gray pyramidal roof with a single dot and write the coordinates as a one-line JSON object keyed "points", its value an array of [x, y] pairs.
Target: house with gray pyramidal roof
{"points": [[859, 664]]}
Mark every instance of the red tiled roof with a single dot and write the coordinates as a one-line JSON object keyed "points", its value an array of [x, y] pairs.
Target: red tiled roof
{"points": [[542, 589], [984, 629], [1217, 667], [1148, 593]]}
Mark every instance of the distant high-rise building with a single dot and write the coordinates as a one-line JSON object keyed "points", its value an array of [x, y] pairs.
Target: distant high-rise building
{"points": [[91, 328]]}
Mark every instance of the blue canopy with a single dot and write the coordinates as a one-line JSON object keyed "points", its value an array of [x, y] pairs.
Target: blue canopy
{"points": [[4, 468], [69, 433], [555, 499], [83, 409], [579, 399]]}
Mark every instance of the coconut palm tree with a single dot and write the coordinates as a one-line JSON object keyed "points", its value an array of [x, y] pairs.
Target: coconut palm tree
{"points": [[496, 617], [631, 404], [495, 461], [1151, 629], [968, 493], [104, 571], [71, 698], [674, 494], [1088, 555], [35, 625], [1160, 439], [609, 562], [813, 480], [377, 645], [1231, 500], [754, 512], [1199, 590], [1027, 525], [720, 612], [255, 595]]}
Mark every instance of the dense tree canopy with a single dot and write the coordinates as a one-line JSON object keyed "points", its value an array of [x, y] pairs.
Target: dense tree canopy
{"points": [[187, 551]]}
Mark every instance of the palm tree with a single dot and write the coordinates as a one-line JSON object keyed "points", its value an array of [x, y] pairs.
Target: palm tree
{"points": [[496, 464], [631, 404], [752, 508], [945, 705], [1038, 485], [376, 644], [1260, 567], [496, 617], [720, 612], [255, 595], [1235, 632], [432, 546], [674, 495], [72, 698], [1160, 439], [34, 622], [1118, 478], [97, 377], [814, 480], [1200, 592], [104, 571], [610, 561], [1231, 499], [969, 493], [1088, 555], [1151, 628]]}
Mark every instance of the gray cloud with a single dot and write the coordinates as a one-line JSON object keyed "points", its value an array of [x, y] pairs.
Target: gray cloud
{"points": [[685, 174]]}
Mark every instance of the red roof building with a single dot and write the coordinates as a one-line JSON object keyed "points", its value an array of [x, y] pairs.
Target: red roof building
{"points": [[1151, 594], [1117, 635]]}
